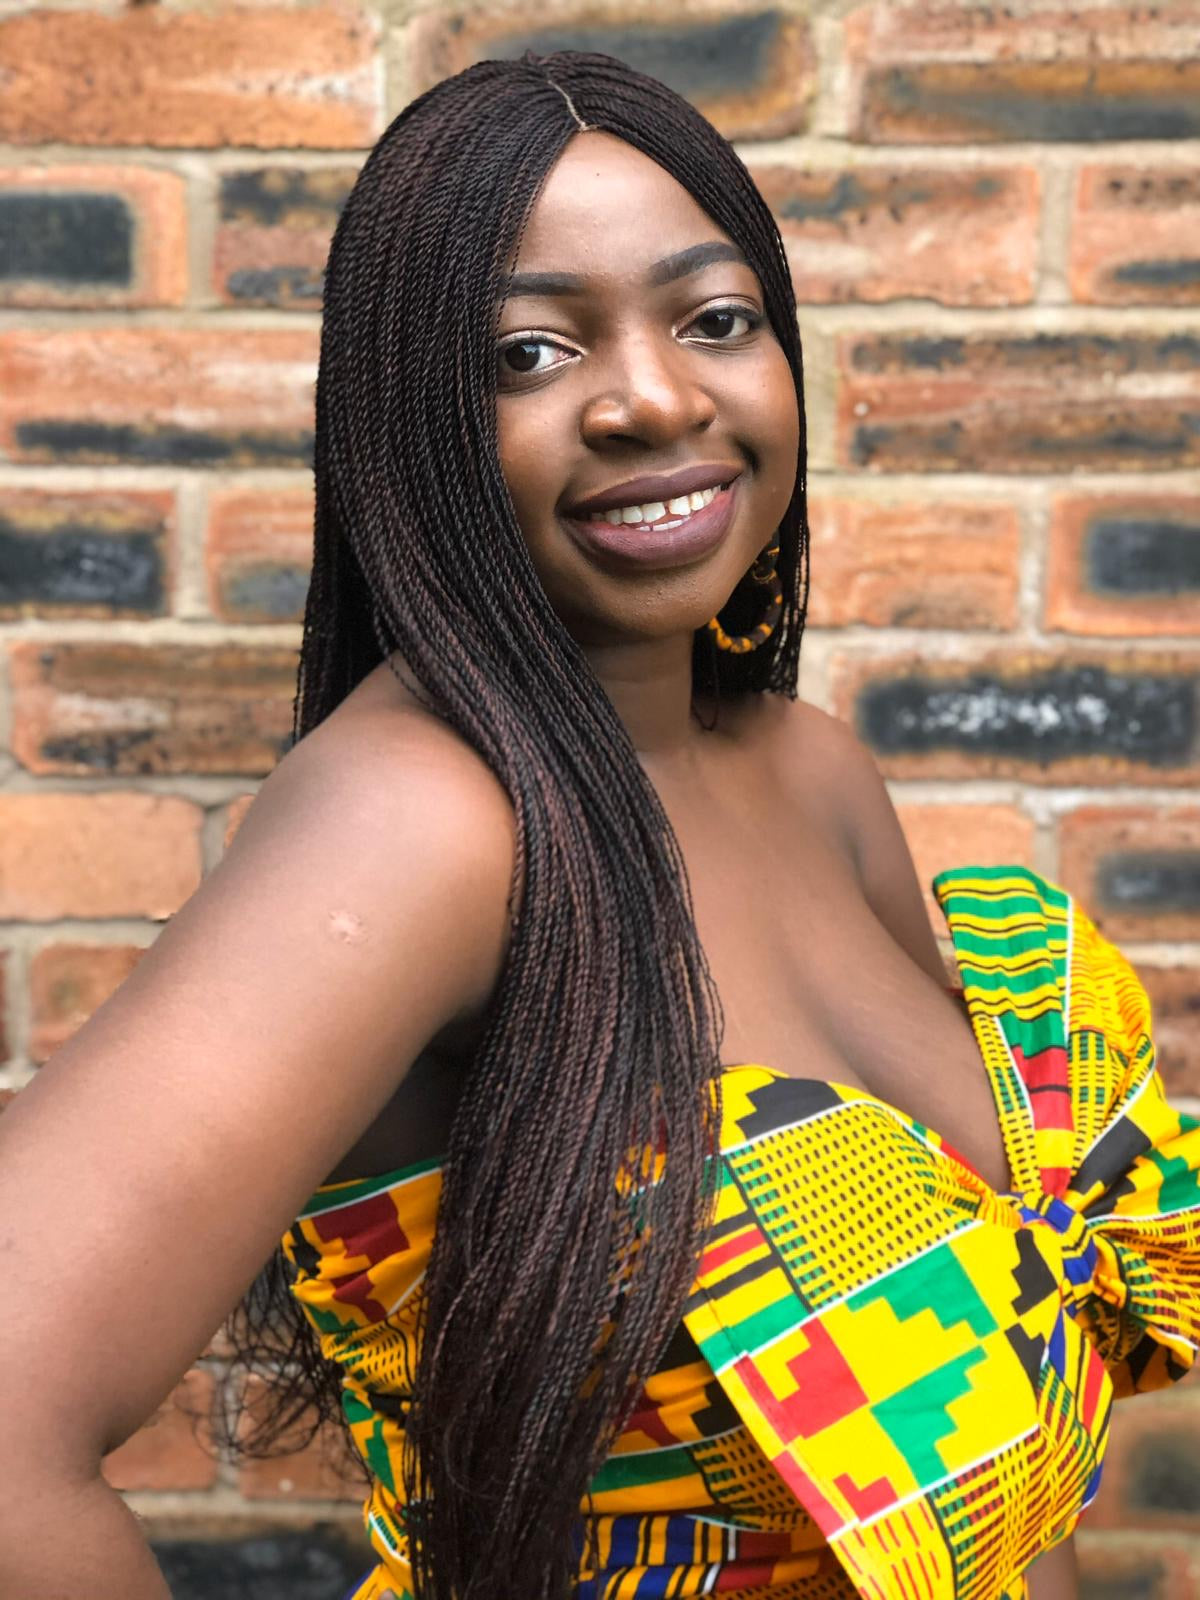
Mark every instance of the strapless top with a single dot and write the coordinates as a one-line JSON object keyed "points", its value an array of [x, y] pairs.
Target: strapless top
{"points": [[889, 1380]]}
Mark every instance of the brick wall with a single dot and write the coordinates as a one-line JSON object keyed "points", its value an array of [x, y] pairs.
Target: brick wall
{"points": [[993, 215]]}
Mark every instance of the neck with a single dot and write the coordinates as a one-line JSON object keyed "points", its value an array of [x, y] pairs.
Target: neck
{"points": [[650, 684]]}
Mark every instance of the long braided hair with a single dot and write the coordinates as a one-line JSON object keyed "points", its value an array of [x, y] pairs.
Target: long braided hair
{"points": [[552, 1288]]}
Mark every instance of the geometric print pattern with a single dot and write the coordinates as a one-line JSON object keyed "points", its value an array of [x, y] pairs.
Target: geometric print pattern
{"points": [[889, 1379]]}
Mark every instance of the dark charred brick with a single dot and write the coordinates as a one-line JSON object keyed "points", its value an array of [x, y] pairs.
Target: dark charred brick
{"points": [[1019, 402], [859, 193], [1150, 882], [751, 70], [274, 286], [701, 61], [1041, 717], [1141, 1577], [1084, 101], [1129, 555], [269, 591], [1162, 1473], [51, 440], [139, 709], [66, 238], [1158, 274], [286, 196], [76, 564], [309, 1563]]}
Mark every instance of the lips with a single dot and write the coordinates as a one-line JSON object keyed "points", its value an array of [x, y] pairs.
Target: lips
{"points": [[659, 486]]}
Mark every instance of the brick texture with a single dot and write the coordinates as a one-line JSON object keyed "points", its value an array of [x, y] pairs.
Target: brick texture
{"points": [[914, 564], [263, 76], [202, 397], [174, 1449], [1124, 564], [273, 234], [89, 554], [1174, 993], [92, 236], [1019, 402], [750, 68], [960, 236], [992, 221], [126, 708], [982, 835], [318, 1468], [1036, 716], [67, 982], [1137, 867], [964, 74], [258, 552], [96, 855], [1135, 236]]}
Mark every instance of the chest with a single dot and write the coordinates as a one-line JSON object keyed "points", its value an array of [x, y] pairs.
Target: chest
{"points": [[811, 982]]}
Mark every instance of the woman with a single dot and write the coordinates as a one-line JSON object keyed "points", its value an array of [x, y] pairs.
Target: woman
{"points": [[546, 856]]}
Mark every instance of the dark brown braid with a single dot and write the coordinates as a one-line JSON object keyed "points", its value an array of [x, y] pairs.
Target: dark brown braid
{"points": [[549, 1297]]}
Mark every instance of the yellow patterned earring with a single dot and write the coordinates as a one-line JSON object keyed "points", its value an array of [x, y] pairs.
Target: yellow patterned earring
{"points": [[763, 571]]}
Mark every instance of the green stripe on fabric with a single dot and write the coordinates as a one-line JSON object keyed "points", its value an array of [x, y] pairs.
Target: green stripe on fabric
{"points": [[751, 1333], [635, 1471], [333, 1195]]}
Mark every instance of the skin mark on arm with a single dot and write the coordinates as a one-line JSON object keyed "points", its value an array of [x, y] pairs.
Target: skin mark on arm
{"points": [[346, 926]]}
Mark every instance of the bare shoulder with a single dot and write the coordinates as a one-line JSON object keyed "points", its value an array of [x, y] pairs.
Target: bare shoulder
{"points": [[831, 772], [360, 910]]}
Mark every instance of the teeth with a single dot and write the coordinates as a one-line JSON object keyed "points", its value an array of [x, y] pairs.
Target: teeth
{"points": [[655, 510]]}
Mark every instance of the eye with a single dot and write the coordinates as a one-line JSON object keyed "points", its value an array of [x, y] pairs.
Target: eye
{"points": [[522, 358], [722, 323]]}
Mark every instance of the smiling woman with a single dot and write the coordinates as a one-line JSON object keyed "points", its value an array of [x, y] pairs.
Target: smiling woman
{"points": [[653, 1214]]}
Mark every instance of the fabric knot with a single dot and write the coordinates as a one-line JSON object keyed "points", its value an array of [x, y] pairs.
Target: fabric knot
{"points": [[1080, 1255]]}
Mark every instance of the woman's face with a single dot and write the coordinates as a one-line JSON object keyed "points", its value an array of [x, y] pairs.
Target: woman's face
{"points": [[637, 375]]}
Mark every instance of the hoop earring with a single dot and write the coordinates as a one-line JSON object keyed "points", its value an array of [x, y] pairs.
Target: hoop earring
{"points": [[763, 571]]}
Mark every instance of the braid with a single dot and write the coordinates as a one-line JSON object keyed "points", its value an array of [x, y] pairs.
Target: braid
{"points": [[552, 1289]]}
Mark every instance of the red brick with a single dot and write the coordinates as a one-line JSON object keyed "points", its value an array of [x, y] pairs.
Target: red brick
{"points": [[750, 68], [128, 708], [913, 565], [258, 554], [1136, 867], [94, 236], [190, 397], [101, 553], [967, 73], [961, 236], [1019, 402], [264, 76], [273, 234], [1123, 1566], [96, 855], [1035, 715], [1135, 236], [950, 834], [322, 1469], [1174, 994], [234, 817], [173, 1450], [1124, 564], [1152, 1466], [67, 982]]}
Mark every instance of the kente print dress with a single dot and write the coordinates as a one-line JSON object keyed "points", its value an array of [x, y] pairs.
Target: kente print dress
{"points": [[889, 1380]]}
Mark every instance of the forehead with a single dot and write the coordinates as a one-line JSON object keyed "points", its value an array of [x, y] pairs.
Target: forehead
{"points": [[594, 211]]}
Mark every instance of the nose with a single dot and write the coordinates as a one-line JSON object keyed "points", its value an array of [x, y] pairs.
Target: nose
{"points": [[650, 394]]}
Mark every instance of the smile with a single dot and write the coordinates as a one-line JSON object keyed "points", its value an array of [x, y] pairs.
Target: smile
{"points": [[657, 512]]}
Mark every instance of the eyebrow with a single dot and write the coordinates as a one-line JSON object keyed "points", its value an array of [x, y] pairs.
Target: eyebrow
{"points": [[680, 265]]}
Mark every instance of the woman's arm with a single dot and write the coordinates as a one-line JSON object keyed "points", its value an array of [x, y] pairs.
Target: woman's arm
{"points": [[152, 1165], [1055, 1576]]}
